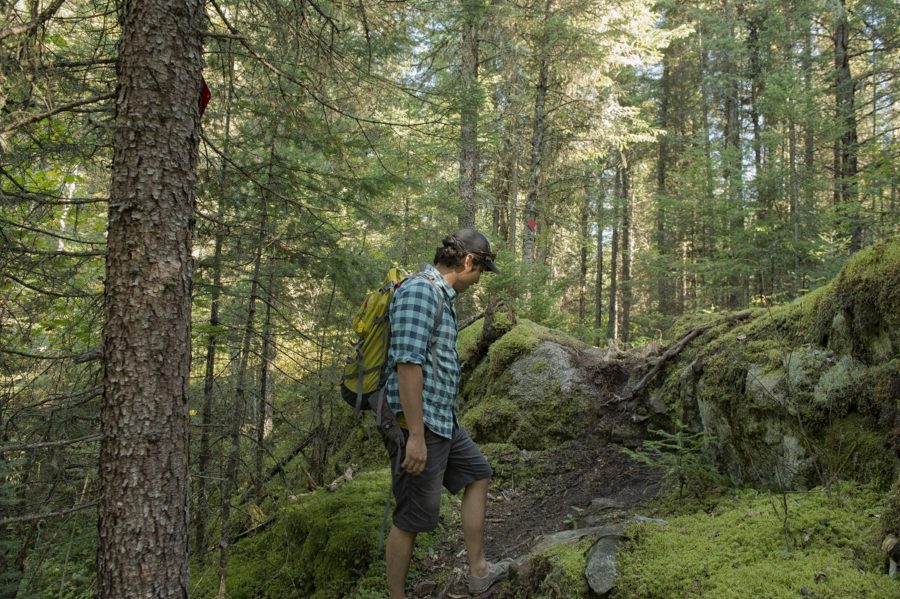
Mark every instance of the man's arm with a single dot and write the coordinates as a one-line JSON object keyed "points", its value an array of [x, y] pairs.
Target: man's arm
{"points": [[409, 378]]}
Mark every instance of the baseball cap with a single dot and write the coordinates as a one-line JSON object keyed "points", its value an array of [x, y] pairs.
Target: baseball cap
{"points": [[476, 243]]}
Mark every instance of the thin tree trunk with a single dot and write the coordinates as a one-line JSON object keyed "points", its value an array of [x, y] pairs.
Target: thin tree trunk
{"points": [[845, 158], [663, 285], [598, 288], [733, 164], [143, 508], [239, 407], [238, 416], [612, 314], [583, 242], [625, 329], [537, 148], [266, 389], [513, 193], [201, 510], [469, 109]]}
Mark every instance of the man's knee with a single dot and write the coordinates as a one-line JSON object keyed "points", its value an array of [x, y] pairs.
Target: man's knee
{"points": [[479, 485]]}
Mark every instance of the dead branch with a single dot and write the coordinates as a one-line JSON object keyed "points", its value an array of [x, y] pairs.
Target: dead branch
{"points": [[347, 476], [29, 446], [677, 348], [62, 108], [44, 516]]}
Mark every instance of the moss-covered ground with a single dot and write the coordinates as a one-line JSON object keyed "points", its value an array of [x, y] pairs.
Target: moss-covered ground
{"points": [[323, 545], [824, 545]]}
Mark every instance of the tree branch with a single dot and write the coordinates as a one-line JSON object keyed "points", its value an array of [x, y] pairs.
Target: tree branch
{"points": [[29, 446], [676, 349], [33, 517], [41, 18], [63, 108]]}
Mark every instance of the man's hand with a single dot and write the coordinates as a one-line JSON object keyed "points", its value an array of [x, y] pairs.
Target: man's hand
{"points": [[416, 454]]}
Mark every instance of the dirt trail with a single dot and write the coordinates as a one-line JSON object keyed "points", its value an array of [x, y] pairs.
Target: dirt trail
{"points": [[582, 486]]}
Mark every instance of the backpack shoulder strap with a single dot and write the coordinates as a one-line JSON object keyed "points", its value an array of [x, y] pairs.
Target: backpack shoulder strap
{"points": [[439, 294], [438, 314]]}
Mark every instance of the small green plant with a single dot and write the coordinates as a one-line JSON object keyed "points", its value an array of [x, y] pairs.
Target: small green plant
{"points": [[680, 455]]}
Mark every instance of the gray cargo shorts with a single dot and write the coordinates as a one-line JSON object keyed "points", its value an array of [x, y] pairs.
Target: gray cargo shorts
{"points": [[452, 463]]}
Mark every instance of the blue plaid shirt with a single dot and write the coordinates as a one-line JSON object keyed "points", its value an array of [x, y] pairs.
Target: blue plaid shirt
{"points": [[413, 310]]}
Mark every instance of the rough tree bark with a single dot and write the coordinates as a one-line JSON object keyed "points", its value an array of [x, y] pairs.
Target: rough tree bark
{"points": [[143, 513]]}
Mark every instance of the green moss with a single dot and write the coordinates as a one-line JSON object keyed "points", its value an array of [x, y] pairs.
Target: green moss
{"points": [[320, 547], [861, 314], [890, 519], [468, 339], [556, 573], [741, 549], [492, 420], [471, 335], [520, 340], [546, 424], [880, 398], [851, 449]]}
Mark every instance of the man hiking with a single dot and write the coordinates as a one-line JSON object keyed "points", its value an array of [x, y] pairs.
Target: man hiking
{"points": [[422, 388]]}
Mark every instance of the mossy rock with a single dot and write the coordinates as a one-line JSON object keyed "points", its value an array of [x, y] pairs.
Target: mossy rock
{"points": [[890, 519], [536, 402], [470, 336], [860, 313], [521, 339], [852, 449], [556, 573], [825, 545], [792, 370]]}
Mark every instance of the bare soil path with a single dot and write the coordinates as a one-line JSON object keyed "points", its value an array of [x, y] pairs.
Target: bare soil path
{"points": [[581, 486]]}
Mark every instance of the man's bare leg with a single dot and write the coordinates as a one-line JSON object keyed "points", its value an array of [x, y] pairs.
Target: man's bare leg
{"points": [[398, 554], [474, 505]]}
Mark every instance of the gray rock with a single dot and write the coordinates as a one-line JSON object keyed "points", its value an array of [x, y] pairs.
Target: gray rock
{"points": [[600, 569]]}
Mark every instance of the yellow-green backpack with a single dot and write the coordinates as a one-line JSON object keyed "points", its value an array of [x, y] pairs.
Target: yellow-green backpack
{"points": [[364, 371]]}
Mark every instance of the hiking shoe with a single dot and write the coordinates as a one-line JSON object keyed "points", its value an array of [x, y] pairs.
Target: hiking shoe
{"points": [[496, 572]]}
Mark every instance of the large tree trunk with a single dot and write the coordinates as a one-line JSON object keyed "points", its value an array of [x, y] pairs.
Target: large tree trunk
{"points": [[469, 107], [143, 514]]}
